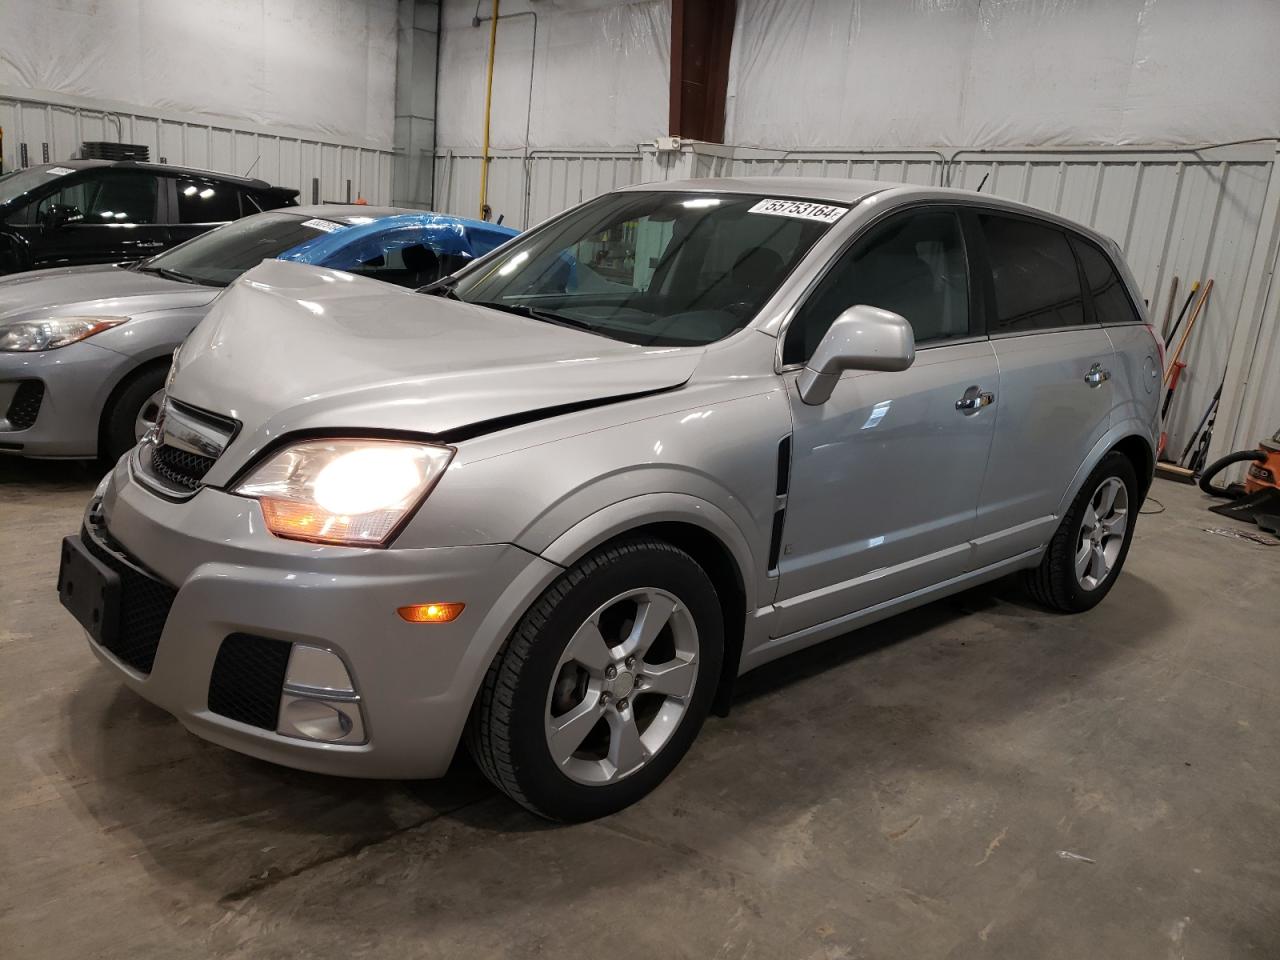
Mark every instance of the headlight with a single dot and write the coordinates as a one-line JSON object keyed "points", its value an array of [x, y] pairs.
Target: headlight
{"points": [[353, 492], [32, 335]]}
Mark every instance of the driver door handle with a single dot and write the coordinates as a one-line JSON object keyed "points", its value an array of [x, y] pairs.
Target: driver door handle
{"points": [[1097, 374], [976, 401]]}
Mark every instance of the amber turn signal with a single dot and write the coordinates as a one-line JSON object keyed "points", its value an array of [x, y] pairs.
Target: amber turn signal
{"points": [[431, 612]]}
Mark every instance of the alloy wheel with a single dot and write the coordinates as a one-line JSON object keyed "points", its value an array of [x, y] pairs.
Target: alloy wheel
{"points": [[622, 685], [1102, 530]]}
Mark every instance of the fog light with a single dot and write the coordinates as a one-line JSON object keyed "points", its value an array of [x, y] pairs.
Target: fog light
{"points": [[319, 701], [332, 721], [317, 669], [431, 612]]}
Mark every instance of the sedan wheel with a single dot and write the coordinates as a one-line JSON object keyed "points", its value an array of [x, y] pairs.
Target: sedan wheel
{"points": [[147, 414], [622, 686]]}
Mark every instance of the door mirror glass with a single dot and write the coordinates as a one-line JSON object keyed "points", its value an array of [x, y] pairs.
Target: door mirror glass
{"points": [[861, 338], [60, 214]]}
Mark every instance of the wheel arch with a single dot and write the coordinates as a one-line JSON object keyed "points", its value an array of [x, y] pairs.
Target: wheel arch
{"points": [[699, 529], [1129, 438]]}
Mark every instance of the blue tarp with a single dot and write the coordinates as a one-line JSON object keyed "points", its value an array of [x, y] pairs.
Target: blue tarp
{"points": [[349, 247]]}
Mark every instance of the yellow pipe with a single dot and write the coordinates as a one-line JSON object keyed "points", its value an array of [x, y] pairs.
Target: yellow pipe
{"points": [[488, 105]]}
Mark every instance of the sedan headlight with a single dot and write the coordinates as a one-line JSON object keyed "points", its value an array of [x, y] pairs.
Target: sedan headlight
{"points": [[25, 336], [351, 492]]}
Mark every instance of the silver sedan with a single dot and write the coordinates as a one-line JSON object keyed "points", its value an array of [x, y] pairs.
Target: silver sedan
{"points": [[84, 350]]}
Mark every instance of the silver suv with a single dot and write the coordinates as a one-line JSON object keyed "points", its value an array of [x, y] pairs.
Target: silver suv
{"points": [[554, 505]]}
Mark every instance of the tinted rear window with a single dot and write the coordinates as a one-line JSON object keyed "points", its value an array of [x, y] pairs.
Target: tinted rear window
{"points": [[1037, 285], [207, 201], [1111, 303]]}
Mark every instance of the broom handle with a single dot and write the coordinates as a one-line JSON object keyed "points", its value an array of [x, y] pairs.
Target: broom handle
{"points": [[1191, 322], [1168, 311]]}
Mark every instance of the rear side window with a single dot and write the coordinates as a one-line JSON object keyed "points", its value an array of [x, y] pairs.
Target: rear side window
{"points": [[1037, 285], [207, 201], [1111, 303], [912, 264]]}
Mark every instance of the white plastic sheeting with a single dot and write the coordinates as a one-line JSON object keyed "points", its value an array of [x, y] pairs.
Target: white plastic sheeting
{"points": [[1003, 73], [598, 75], [322, 66]]}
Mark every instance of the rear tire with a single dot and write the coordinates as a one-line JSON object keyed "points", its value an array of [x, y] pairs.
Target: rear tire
{"points": [[1095, 534], [125, 407], [604, 683]]}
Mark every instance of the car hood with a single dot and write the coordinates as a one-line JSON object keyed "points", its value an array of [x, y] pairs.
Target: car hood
{"points": [[102, 289], [290, 347]]}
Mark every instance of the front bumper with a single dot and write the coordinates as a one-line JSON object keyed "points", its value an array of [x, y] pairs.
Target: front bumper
{"points": [[73, 383], [415, 682]]}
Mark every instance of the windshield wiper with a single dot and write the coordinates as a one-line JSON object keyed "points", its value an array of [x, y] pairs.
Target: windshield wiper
{"points": [[169, 274], [524, 310], [441, 288]]}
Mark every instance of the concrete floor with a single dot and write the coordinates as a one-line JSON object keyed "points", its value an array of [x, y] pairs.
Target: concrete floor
{"points": [[929, 787]]}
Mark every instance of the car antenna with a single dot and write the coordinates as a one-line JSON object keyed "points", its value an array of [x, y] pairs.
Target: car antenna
{"points": [[259, 157], [983, 182]]}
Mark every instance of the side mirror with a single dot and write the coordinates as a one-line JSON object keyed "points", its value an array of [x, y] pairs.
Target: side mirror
{"points": [[862, 338], [60, 214]]}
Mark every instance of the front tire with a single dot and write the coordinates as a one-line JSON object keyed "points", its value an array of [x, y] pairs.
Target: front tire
{"points": [[604, 683], [131, 411], [1086, 553]]}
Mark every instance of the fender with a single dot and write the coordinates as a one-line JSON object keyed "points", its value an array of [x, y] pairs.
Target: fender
{"points": [[1130, 427], [648, 508]]}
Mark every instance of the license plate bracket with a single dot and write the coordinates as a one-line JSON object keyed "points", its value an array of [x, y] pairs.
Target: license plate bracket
{"points": [[90, 590]]}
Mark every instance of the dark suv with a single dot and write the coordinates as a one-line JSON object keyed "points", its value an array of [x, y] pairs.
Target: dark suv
{"points": [[102, 211]]}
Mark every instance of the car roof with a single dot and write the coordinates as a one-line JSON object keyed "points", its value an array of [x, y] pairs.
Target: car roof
{"points": [[168, 168], [344, 211], [823, 189], [840, 191]]}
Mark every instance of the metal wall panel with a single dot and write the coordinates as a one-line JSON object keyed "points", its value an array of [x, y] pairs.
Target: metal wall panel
{"points": [[287, 161], [555, 181]]}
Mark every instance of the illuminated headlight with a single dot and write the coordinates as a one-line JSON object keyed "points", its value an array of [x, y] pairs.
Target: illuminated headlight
{"points": [[26, 336], [352, 492]]}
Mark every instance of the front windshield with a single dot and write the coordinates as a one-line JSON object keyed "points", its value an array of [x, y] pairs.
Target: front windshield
{"points": [[656, 268], [21, 182], [218, 257]]}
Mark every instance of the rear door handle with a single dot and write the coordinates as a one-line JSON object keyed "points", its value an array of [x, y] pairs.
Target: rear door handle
{"points": [[148, 244], [972, 401], [1096, 375]]}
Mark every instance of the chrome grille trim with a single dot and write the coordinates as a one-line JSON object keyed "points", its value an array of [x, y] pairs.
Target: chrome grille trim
{"points": [[173, 458]]}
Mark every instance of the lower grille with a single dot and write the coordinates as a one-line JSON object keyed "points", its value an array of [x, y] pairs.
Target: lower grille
{"points": [[25, 405], [144, 608], [180, 467], [248, 675]]}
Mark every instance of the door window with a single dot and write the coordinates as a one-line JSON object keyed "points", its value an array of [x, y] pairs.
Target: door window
{"points": [[111, 196], [913, 265], [1111, 303], [207, 201], [1037, 285]]}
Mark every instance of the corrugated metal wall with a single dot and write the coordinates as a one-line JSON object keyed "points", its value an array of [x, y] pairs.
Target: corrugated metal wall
{"points": [[1193, 215], [281, 159], [555, 181]]}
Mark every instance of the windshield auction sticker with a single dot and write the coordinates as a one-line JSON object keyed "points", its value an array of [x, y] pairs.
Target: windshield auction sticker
{"points": [[59, 171], [328, 226], [801, 209]]}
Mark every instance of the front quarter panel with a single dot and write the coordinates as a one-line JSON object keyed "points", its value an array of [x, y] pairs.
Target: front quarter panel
{"points": [[154, 334], [705, 454]]}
